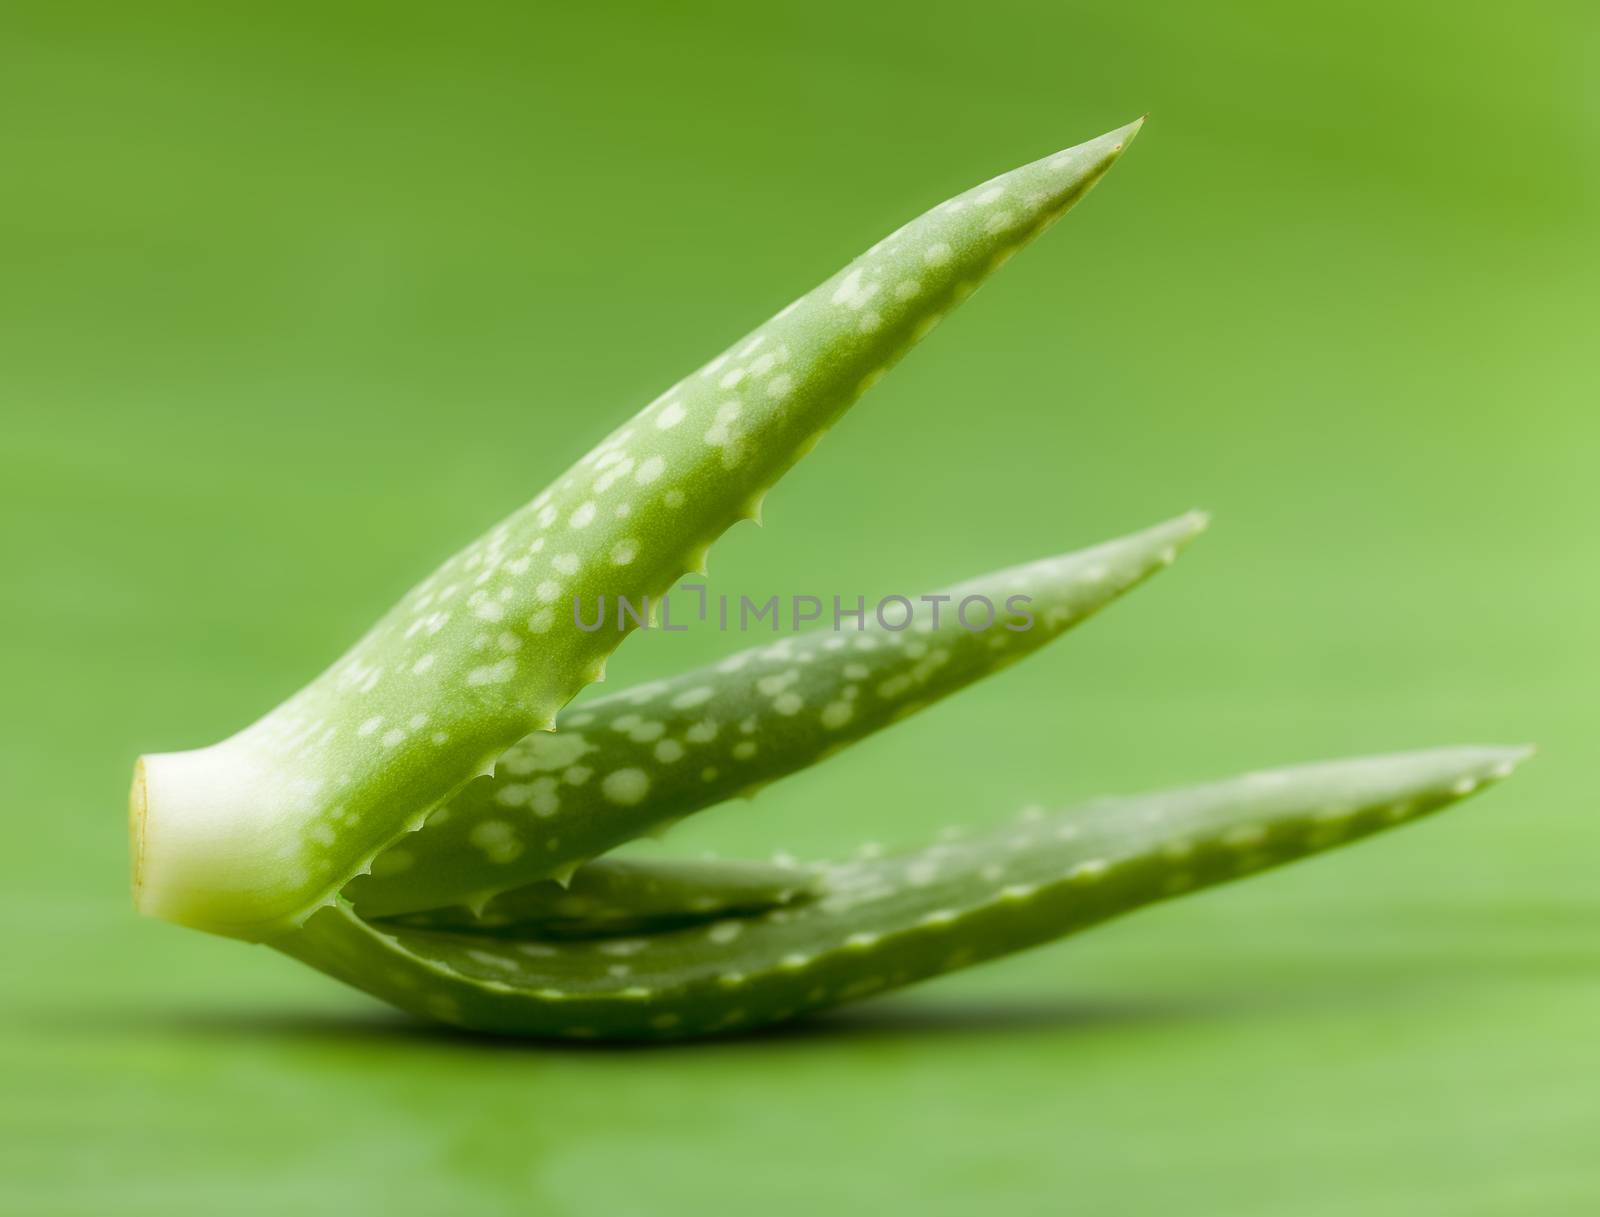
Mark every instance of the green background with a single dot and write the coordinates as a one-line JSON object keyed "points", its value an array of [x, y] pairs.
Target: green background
{"points": [[296, 298]]}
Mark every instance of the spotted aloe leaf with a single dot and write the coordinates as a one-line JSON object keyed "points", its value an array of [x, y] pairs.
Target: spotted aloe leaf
{"points": [[251, 835], [633, 762], [611, 896], [874, 924]]}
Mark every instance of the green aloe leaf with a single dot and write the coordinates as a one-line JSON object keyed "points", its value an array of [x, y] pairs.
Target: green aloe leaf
{"points": [[875, 924], [635, 761], [250, 836], [612, 896]]}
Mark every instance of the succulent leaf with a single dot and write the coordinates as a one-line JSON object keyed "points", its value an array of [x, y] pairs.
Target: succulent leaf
{"points": [[612, 896], [875, 924], [630, 763], [251, 835]]}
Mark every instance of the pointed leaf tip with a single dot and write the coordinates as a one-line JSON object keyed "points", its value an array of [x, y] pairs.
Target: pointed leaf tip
{"points": [[1188, 526], [1127, 134], [1511, 756], [1115, 141]]}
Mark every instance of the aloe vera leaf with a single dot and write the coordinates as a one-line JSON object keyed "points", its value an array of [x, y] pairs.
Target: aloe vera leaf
{"points": [[637, 760], [249, 836], [878, 924], [612, 896]]}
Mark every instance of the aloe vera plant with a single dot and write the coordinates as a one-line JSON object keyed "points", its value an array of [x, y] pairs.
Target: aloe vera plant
{"points": [[424, 821]]}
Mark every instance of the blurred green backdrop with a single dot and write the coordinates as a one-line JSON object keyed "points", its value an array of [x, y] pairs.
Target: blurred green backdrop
{"points": [[296, 298]]}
